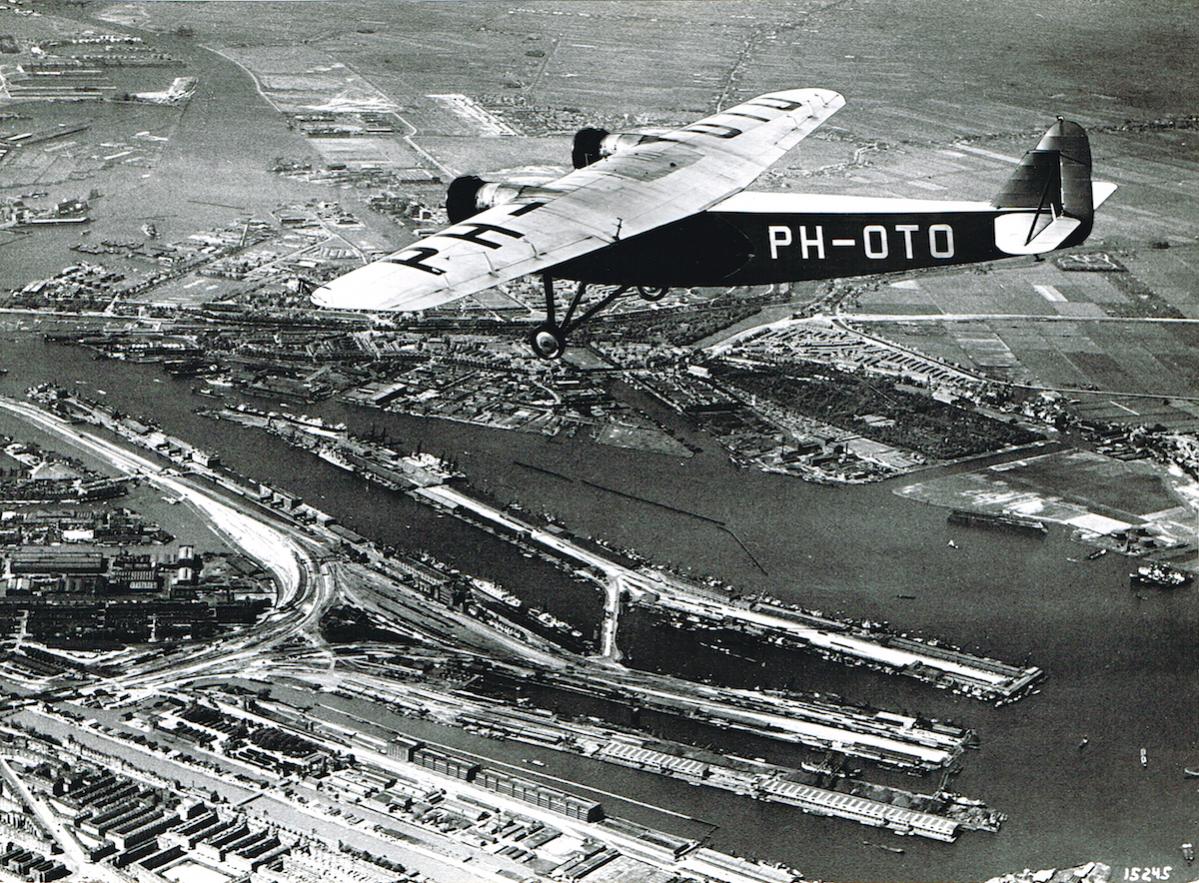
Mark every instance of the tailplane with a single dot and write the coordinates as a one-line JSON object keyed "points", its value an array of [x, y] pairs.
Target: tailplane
{"points": [[1049, 202]]}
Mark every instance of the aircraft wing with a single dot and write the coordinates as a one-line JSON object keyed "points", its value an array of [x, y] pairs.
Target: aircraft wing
{"points": [[683, 172]]}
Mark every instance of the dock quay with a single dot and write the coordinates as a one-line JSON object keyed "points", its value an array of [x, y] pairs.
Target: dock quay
{"points": [[1017, 523], [777, 788], [374, 462], [867, 812], [885, 738], [943, 666], [391, 768], [760, 618], [856, 644], [937, 817]]}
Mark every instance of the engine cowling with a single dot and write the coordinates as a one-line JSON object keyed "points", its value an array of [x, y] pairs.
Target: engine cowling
{"points": [[470, 194], [592, 145]]}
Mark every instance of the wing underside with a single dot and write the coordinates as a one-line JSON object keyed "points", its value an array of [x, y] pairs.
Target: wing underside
{"points": [[683, 172]]}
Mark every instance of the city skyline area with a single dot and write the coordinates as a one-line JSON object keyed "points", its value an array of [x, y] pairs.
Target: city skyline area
{"points": [[884, 577]]}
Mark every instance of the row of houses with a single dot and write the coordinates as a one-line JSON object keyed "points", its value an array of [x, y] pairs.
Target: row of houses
{"points": [[27, 864]]}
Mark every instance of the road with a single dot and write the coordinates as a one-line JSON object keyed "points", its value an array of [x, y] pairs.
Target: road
{"points": [[617, 578], [611, 623], [304, 585], [1009, 317]]}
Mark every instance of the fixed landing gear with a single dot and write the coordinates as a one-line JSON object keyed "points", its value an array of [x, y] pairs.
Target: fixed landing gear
{"points": [[302, 285], [548, 340]]}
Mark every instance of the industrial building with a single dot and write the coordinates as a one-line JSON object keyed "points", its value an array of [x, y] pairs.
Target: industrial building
{"points": [[868, 812], [446, 764], [544, 796]]}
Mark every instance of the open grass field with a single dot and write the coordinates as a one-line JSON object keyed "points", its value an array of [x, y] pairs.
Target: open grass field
{"points": [[1095, 481]]}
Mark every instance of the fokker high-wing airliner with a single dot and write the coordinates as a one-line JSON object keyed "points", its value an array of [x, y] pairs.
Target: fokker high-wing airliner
{"points": [[648, 212]]}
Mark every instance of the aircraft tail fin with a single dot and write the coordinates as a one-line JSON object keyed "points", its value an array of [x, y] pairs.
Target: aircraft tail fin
{"points": [[1049, 202]]}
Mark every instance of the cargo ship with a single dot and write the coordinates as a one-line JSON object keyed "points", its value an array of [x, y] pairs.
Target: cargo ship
{"points": [[331, 455], [493, 591], [1160, 576], [313, 424], [553, 623], [987, 519], [188, 367]]}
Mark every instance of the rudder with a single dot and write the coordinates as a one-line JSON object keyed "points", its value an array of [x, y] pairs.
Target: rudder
{"points": [[1048, 201]]}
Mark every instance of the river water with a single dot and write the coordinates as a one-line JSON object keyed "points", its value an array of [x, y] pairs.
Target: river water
{"points": [[1122, 670]]}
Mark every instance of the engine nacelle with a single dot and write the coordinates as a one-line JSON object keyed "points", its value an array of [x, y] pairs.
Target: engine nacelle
{"points": [[469, 195], [592, 145]]}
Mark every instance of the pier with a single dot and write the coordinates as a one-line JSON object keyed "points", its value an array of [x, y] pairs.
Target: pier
{"points": [[977, 676], [888, 739], [937, 816]]}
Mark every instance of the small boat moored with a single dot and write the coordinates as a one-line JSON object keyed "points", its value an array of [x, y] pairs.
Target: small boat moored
{"points": [[1160, 576]]}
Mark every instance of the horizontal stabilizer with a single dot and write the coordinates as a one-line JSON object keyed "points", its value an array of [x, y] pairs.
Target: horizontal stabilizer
{"points": [[1011, 233], [1100, 191]]}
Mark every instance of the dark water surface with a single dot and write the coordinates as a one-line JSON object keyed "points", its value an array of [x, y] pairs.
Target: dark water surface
{"points": [[1121, 670]]}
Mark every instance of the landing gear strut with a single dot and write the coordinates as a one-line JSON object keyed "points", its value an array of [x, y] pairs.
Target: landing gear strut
{"points": [[548, 339], [303, 285]]}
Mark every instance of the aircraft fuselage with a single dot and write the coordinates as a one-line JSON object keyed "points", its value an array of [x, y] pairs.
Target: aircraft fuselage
{"points": [[729, 247]]}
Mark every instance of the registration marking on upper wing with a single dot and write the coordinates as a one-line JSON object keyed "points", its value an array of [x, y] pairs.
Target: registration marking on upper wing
{"points": [[681, 172]]}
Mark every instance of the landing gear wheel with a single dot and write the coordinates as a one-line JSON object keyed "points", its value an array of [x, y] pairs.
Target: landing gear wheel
{"points": [[547, 341], [653, 295]]}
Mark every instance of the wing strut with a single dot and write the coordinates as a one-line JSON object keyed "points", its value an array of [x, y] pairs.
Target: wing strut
{"points": [[547, 283]]}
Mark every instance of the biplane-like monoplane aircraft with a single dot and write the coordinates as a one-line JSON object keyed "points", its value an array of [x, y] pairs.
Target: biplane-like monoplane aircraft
{"points": [[646, 212]]}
